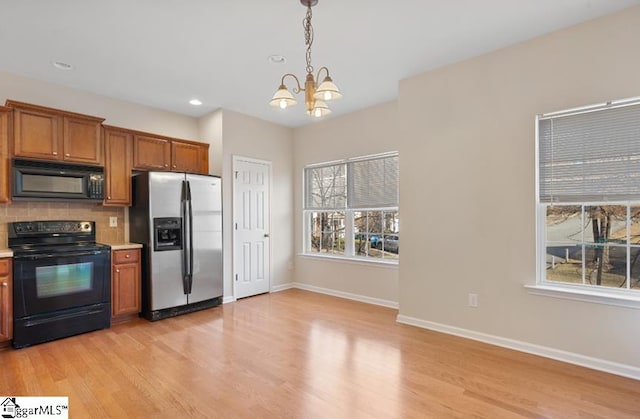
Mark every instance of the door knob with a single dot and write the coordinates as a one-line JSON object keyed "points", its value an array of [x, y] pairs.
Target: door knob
{"points": [[266, 235]]}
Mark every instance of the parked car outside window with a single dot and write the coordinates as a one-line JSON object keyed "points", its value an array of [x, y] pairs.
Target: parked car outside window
{"points": [[390, 243]]}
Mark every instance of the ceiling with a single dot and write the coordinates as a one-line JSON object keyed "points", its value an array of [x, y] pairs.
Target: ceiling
{"points": [[162, 53]]}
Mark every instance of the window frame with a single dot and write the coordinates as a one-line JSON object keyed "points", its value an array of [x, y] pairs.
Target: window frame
{"points": [[349, 214], [622, 297]]}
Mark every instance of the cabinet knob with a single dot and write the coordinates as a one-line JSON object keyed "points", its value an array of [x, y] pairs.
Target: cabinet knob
{"points": [[4, 284], [166, 165], [108, 197], [117, 271], [127, 256], [67, 154], [55, 153], [174, 166]]}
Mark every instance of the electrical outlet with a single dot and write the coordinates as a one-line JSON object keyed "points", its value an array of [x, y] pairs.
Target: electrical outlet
{"points": [[113, 221], [473, 300]]}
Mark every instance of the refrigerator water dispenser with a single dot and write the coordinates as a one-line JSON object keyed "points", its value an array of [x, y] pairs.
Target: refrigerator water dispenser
{"points": [[167, 233]]}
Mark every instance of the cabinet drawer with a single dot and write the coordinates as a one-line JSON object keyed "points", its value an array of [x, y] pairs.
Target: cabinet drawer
{"points": [[4, 267], [126, 256]]}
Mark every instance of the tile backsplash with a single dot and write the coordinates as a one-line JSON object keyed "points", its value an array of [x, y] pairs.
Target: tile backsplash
{"points": [[33, 211]]}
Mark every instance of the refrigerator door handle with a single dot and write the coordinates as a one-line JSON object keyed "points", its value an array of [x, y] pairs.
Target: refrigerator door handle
{"points": [[183, 215], [190, 237]]}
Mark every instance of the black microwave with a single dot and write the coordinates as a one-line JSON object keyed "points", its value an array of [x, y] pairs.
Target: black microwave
{"points": [[40, 180]]}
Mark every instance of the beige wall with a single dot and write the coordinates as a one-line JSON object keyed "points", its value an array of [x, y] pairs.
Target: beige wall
{"points": [[465, 134], [116, 112], [467, 186], [239, 135], [246, 136], [210, 131], [361, 133]]}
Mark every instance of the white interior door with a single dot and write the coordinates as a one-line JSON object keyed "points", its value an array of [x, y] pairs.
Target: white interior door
{"points": [[251, 244]]}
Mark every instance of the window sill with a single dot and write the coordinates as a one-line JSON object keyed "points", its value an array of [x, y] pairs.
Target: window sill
{"points": [[358, 261], [608, 297]]}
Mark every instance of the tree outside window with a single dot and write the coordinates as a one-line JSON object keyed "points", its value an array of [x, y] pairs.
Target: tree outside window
{"points": [[351, 208]]}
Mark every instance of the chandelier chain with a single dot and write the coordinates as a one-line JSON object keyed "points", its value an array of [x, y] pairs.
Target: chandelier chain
{"points": [[308, 37]]}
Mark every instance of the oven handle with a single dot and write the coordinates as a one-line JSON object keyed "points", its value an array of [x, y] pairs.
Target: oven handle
{"points": [[55, 255]]}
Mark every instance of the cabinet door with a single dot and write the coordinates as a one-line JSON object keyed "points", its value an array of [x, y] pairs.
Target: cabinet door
{"points": [[6, 298], [117, 167], [5, 178], [126, 289], [82, 140], [125, 282], [37, 134], [150, 153], [189, 157]]}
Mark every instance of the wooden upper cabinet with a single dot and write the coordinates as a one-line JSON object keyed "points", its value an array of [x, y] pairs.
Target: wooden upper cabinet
{"points": [[118, 146], [36, 134], [164, 153], [151, 153], [82, 140], [5, 134], [189, 157], [51, 134]]}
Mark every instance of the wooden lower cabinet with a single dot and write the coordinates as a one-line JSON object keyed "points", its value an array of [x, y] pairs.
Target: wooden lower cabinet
{"points": [[125, 284], [6, 298]]}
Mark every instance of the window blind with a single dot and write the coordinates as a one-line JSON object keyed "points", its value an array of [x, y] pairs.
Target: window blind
{"points": [[590, 156], [369, 182], [373, 183]]}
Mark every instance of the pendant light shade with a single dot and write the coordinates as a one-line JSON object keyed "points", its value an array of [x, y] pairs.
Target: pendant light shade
{"points": [[320, 109], [282, 98], [327, 90]]}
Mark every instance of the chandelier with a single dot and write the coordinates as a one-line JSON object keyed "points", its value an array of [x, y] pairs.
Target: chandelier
{"points": [[315, 96]]}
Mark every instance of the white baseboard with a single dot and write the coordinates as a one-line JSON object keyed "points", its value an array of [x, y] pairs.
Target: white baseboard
{"points": [[282, 287], [569, 357], [229, 299], [347, 295]]}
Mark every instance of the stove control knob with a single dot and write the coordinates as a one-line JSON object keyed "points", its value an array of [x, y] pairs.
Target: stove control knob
{"points": [[87, 226], [19, 228]]}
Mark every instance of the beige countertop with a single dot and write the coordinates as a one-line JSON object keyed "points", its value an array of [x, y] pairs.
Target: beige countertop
{"points": [[6, 253], [124, 246]]}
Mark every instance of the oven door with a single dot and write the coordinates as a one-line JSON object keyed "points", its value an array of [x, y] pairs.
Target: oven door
{"points": [[49, 282]]}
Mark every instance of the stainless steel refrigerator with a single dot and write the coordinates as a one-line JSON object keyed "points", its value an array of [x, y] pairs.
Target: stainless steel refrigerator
{"points": [[178, 219]]}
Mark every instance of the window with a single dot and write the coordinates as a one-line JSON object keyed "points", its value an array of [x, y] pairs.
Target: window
{"points": [[588, 198], [351, 208]]}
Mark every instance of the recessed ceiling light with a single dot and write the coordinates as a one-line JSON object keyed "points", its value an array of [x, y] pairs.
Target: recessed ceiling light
{"points": [[277, 59], [62, 66], [195, 102]]}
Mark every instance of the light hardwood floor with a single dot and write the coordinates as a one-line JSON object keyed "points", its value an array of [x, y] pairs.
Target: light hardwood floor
{"points": [[298, 354]]}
